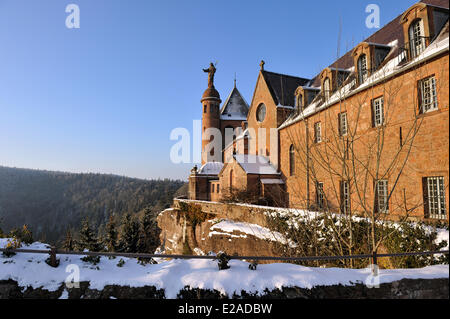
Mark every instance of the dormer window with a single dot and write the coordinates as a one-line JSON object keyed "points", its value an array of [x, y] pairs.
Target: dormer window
{"points": [[299, 102], [421, 23], [362, 68], [416, 38], [326, 89]]}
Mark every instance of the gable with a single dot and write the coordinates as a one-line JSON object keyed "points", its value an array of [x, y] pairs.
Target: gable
{"points": [[235, 107]]}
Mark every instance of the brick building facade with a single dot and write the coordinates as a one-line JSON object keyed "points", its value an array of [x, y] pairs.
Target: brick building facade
{"points": [[370, 132]]}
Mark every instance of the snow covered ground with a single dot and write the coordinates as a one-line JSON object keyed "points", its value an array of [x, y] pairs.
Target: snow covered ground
{"points": [[172, 276]]}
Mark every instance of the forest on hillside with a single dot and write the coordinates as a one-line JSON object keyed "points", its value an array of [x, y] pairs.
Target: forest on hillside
{"points": [[51, 203]]}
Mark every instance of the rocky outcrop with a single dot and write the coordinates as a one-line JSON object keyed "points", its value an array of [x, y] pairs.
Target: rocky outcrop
{"points": [[184, 232], [403, 289]]}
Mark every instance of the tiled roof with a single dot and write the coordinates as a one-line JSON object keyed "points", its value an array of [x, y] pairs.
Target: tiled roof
{"points": [[387, 34], [282, 87]]}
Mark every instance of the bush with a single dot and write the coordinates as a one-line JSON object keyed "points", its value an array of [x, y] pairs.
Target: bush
{"points": [[23, 234], [12, 243], [318, 234]]}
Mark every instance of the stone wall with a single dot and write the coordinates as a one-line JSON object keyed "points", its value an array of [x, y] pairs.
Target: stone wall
{"points": [[403, 289]]}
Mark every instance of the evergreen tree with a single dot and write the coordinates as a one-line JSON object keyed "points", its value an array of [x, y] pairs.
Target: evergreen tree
{"points": [[130, 235], [149, 239], [111, 235], [88, 239], [26, 235], [69, 242]]}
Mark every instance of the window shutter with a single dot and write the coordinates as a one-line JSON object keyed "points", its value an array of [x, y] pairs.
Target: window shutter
{"points": [[341, 185], [372, 112], [426, 211], [339, 124], [386, 184], [419, 96]]}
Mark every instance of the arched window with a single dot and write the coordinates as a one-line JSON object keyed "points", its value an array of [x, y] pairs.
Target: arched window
{"points": [[261, 113], [362, 68], [416, 38], [326, 89], [292, 160]]}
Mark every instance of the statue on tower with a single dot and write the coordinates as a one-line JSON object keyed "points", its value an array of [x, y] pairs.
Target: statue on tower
{"points": [[211, 70]]}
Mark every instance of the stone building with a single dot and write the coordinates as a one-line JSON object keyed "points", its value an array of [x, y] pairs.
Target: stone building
{"points": [[369, 132]]}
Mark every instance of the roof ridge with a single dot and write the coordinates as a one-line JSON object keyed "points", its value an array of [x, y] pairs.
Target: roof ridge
{"points": [[292, 76]]}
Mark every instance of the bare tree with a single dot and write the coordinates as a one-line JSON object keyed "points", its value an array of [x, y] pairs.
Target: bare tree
{"points": [[363, 153]]}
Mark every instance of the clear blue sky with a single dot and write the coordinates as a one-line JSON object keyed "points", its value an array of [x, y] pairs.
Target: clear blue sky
{"points": [[105, 97]]}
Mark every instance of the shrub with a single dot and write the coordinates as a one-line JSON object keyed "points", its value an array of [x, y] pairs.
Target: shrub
{"points": [[12, 243], [318, 234]]}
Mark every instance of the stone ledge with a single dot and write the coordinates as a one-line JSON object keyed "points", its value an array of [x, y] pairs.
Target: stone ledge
{"points": [[403, 289]]}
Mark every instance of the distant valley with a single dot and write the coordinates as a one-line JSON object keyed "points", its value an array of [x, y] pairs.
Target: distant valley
{"points": [[50, 202]]}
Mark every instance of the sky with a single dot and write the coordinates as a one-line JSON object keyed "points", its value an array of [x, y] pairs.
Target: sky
{"points": [[104, 97]]}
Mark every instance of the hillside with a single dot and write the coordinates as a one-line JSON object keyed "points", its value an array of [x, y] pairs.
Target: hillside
{"points": [[51, 202]]}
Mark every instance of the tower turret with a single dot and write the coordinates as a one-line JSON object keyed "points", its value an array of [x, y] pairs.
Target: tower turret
{"points": [[210, 118]]}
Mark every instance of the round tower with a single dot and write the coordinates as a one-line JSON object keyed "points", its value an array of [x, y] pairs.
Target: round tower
{"points": [[210, 117]]}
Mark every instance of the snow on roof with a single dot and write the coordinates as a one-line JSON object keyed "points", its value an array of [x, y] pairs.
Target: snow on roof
{"points": [[211, 168], [392, 67], [272, 181], [255, 164], [30, 269], [235, 107], [311, 88]]}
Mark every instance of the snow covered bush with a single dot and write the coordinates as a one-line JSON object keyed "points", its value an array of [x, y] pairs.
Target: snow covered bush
{"points": [[320, 234]]}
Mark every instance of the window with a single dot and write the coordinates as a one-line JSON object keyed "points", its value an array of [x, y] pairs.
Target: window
{"points": [[345, 197], [341, 77], [261, 113], [299, 102], [342, 124], [319, 195], [212, 188], [434, 197], [326, 89], [381, 196], [218, 188], [377, 112], [427, 95], [204, 108], [362, 68], [416, 38], [317, 132], [211, 110], [292, 160]]}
